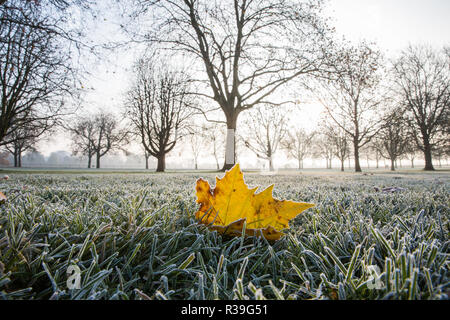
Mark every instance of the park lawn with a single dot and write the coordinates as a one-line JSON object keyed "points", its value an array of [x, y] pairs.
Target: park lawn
{"points": [[134, 236]]}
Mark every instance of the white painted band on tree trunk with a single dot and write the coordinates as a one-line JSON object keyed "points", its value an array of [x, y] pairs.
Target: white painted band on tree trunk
{"points": [[229, 152]]}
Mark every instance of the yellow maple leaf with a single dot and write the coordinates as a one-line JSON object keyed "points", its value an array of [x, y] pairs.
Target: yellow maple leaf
{"points": [[3, 198], [232, 203]]}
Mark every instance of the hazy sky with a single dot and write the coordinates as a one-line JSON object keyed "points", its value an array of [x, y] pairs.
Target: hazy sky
{"points": [[393, 24]]}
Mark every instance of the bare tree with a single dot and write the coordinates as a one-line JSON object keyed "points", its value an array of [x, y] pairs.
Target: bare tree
{"points": [[59, 9], [299, 145], [109, 135], [196, 141], [367, 152], [444, 123], [338, 142], [36, 73], [422, 78], [247, 49], [352, 99], [83, 134], [158, 106], [411, 152], [439, 154], [324, 148], [26, 136], [377, 156], [267, 130], [214, 135], [63, 20], [21, 140], [392, 139], [146, 156], [96, 136]]}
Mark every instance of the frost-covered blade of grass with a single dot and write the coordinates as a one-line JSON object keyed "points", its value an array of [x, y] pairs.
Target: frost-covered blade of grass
{"points": [[135, 237]]}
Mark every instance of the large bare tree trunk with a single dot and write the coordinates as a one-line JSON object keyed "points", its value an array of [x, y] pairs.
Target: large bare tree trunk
{"points": [[342, 165], [427, 154], [230, 147], [270, 163], [161, 163], [392, 164], [356, 151], [98, 160], [89, 161], [428, 161]]}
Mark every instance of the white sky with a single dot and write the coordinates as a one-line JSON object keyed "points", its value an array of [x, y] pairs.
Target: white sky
{"points": [[393, 24]]}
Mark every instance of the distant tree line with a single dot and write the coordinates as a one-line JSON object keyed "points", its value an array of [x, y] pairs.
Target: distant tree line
{"points": [[236, 94]]}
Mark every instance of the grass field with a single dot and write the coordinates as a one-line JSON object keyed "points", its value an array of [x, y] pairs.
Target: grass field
{"points": [[134, 236]]}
